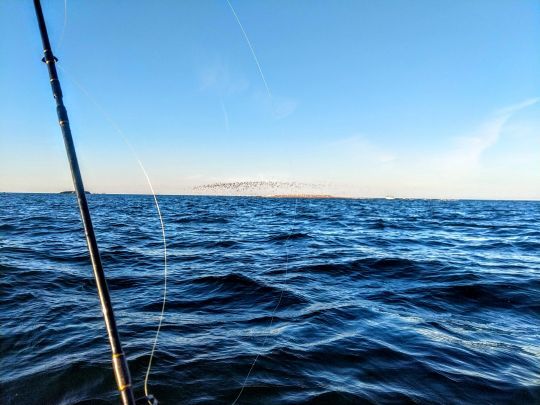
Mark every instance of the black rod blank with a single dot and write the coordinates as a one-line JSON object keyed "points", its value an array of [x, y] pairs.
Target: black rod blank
{"points": [[119, 361]]}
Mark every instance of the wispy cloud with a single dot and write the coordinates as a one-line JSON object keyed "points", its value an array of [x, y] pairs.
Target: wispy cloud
{"points": [[469, 148], [283, 107], [460, 169], [519, 106], [218, 78]]}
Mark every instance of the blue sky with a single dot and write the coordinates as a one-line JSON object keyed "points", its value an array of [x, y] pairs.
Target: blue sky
{"points": [[367, 98]]}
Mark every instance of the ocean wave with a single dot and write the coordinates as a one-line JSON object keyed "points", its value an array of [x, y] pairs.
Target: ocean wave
{"points": [[346, 301]]}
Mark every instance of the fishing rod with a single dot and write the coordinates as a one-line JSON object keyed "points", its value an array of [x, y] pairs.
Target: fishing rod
{"points": [[119, 361]]}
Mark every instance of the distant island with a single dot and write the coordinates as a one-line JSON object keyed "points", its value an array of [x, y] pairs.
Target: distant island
{"points": [[72, 192]]}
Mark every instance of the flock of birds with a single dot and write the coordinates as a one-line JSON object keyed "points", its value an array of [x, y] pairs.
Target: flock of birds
{"points": [[256, 186]]}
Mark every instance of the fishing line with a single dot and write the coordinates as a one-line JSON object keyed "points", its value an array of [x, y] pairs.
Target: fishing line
{"points": [[275, 308], [251, 49], [156, 203], [256, 60]]}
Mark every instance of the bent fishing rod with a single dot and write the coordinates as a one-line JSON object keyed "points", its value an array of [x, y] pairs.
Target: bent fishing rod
{"points": [[119, 361]]}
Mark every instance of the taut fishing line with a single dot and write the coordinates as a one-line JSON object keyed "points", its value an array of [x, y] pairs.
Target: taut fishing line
{"points": [[124, 138], [251, 49], [275, 308], [256, 60]]}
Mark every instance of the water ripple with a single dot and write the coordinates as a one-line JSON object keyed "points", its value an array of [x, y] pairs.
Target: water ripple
{"points": [[416, 301]]}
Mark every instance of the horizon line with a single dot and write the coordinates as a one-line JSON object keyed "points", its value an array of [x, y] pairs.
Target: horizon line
{"points": [[284, 196]]}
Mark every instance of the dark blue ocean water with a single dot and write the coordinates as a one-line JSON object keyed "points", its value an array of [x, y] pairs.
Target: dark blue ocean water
{"points": [[416, 301]]}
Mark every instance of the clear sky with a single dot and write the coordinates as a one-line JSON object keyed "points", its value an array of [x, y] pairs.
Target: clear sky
{"points": [[408, 98]]}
